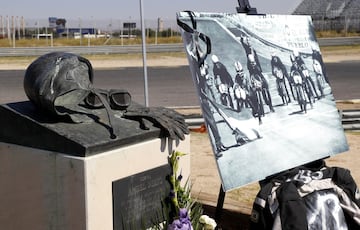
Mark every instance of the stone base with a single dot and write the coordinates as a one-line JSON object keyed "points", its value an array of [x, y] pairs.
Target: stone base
{"points": [[41, 189]]}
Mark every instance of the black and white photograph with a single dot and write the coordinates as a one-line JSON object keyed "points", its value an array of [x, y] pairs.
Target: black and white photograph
{"points": [[264, 93]]}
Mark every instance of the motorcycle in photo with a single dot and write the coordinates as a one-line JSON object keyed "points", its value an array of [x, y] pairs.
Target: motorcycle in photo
{"points": [[257, 86], [224, 91], [241, 97], [281, 86], [299, 89], [320, 80], [308, 84]]}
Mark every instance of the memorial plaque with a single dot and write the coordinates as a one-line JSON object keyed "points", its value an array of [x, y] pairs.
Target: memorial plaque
{"points": [[137, 198], [264, 92]]}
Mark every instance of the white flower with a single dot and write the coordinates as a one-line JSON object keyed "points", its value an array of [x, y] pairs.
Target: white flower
{"points": [[209, 223]]}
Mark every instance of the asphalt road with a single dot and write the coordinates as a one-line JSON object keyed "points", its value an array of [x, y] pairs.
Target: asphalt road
{"points": [[173, 86]]}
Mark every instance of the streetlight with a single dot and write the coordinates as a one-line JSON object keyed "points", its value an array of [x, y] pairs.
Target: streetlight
{"points": [[143, 38], [37, 25], [80, 32]]}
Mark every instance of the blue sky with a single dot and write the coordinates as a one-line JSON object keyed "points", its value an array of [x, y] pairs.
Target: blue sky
{"points": [[121, 10]]}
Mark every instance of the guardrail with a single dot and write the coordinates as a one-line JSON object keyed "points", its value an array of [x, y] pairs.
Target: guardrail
{"points": [[350, 119], [118, 49], [150, 48], [339, 41]]}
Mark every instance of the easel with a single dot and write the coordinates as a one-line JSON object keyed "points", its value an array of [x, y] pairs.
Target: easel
{"points": [[243, 8]]}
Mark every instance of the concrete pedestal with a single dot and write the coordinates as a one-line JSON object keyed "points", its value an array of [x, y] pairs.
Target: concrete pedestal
{"points": [[41, 188]]}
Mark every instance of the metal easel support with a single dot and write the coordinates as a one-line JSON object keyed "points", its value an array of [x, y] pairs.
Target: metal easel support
{"points": [[220, 204], [244, 7]]}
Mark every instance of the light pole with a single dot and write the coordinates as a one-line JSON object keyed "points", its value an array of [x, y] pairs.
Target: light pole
{"points": [[122, 33], [80, 32], [38, 29], [143, 38], [13, 30], [23, 25], [2, 26]]}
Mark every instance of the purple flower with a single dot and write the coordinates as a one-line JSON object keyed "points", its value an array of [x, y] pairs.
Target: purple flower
{"points": [[179, 177], [172, 193], [183, 223], [184, 214], [177, 225]]}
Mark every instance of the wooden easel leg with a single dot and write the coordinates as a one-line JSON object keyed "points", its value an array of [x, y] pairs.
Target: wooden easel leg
{"points": [[220, 204]]}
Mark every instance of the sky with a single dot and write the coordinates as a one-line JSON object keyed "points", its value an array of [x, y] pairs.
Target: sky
{"points": [[117, 11]]}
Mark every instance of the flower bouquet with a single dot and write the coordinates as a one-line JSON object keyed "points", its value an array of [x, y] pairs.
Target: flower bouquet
{"points": [[180, 211]]}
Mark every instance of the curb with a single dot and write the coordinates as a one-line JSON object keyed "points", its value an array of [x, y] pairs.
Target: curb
{"points": [[352, 101]]}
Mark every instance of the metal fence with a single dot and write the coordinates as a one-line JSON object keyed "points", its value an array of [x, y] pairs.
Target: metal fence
{"points": [[332, 15], [345, 24], [37, 51], [350, 119]]}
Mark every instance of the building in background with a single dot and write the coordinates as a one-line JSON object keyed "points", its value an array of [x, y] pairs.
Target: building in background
{"points": [[339, 15], [58, 26]]}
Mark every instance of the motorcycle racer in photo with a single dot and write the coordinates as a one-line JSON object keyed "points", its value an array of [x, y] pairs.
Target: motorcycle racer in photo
{"points": [[224, 81], [299, 84], [319, 69], [278, 70], [311, 89], [316, 55], [245, 41], [242, 88], [257, 76]]}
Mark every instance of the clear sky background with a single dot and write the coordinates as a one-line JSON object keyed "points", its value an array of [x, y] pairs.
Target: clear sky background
{"points": [[116, 10]]}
